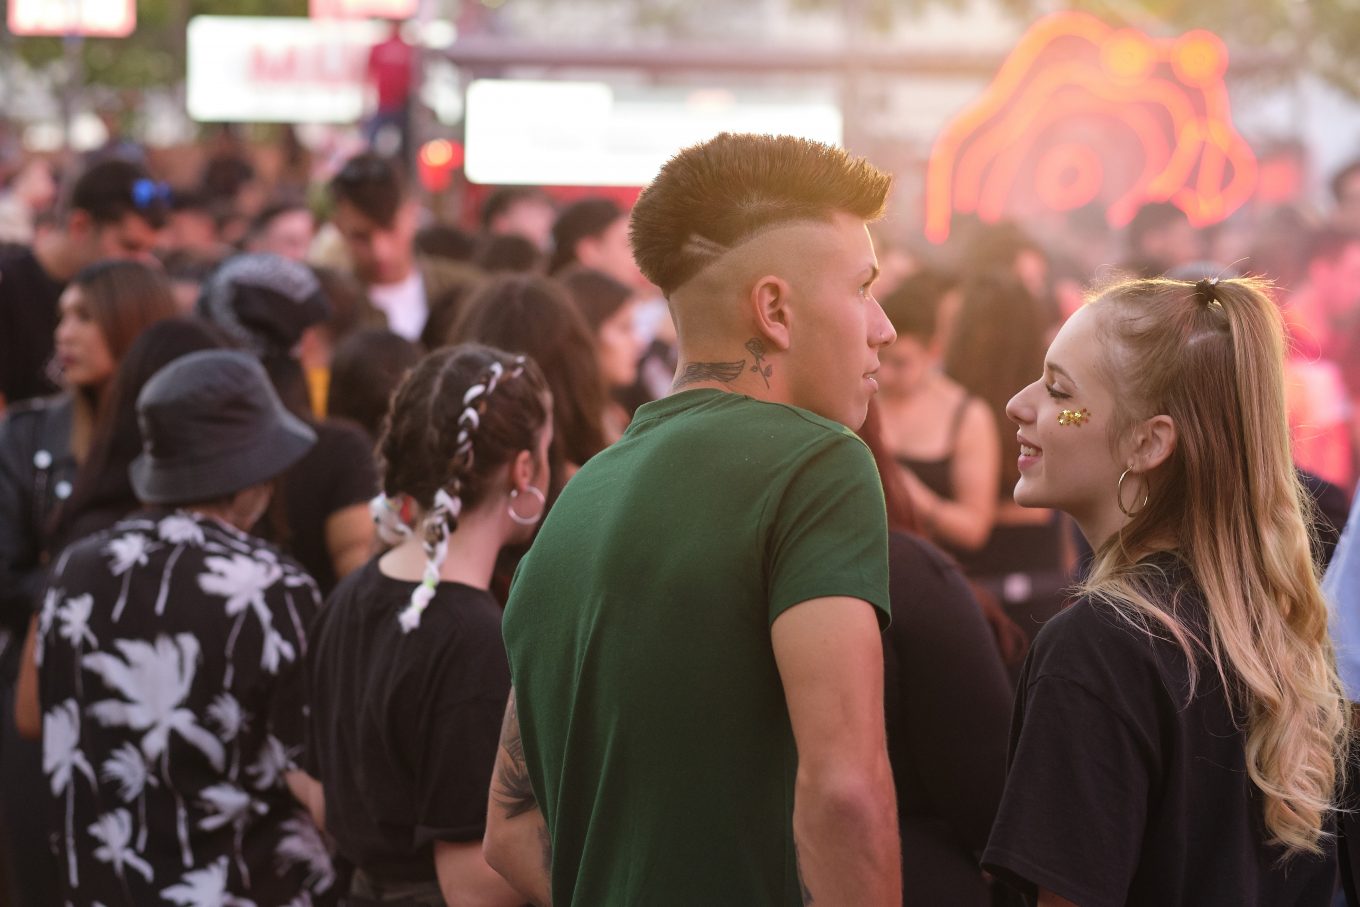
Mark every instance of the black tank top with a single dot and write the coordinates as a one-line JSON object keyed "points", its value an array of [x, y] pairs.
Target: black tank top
{"points": [[936, 474]]}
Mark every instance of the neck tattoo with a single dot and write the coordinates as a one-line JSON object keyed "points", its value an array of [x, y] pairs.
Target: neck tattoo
{"points": [[727, 372]]}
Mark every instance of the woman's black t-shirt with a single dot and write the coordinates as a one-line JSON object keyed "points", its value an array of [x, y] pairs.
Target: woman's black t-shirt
{"points": [[403, 727], [1122, 792]]}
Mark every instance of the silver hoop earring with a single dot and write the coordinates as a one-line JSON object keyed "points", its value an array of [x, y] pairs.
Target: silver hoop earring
{"points": [[1119, 495], [531, 520]]}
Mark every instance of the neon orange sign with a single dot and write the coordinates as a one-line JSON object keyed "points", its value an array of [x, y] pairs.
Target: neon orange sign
{"points": [[1081, 112]]}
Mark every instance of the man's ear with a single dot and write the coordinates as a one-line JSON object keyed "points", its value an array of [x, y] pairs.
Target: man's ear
{"points": [[769, 303], [1153, 443]]}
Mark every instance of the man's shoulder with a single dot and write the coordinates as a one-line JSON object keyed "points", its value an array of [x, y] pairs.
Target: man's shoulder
{"points": [[775, 423]]}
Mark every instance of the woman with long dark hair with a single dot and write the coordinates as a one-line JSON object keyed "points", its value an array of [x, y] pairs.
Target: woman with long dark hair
{"points": [[407, 674], [1180, 730], [610, 309], [42, 444], [101, 491]]}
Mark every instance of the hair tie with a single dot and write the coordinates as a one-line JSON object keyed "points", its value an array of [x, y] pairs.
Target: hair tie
{"points": [[386, 512], [436, 542], [1206, 290]]}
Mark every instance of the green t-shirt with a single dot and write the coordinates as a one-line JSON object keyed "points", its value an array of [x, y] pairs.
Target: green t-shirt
{"points": [[638, 629]]}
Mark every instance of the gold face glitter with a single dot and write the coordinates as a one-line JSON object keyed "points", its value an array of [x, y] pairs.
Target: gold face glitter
{"points": [[1073, 417]]}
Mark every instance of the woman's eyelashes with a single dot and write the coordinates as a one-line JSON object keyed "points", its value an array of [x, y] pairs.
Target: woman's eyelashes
{"points": [[1055, 393]]}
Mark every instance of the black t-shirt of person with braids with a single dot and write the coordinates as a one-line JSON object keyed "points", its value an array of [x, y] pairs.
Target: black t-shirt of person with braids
{"points": [[409, 646]]}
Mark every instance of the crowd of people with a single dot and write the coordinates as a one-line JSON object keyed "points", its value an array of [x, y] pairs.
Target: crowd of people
{"points": [[723, 550]]}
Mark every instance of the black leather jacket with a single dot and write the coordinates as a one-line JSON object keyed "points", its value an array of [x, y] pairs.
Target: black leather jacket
{"points": [[36, 472]]}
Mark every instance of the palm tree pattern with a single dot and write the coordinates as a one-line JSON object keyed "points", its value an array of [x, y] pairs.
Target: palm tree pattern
{"points": [[171, 652]]}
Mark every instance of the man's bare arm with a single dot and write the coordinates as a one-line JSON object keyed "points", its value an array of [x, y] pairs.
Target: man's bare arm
{"points": [[517, 844], [830, 658]]}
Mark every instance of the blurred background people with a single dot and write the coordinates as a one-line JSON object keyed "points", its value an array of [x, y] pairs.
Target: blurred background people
{"points": [[115, 210], [368, 366], [101, 491], [610, 310], [942, 437], [998, 339], [535, 316], [1345, 186], [43, 444], [26, 193], [284, 227], [390, 74], [320, 513], [524, 211], [947, 699], [1159, 239], [376, 216], [593, 233]]}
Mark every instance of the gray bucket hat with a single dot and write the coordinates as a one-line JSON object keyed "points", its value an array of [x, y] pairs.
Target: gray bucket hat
{"points": [[212, 425]]}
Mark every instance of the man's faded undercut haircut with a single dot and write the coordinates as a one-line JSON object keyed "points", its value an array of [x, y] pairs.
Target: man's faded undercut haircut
{"points": [[712, 197]]}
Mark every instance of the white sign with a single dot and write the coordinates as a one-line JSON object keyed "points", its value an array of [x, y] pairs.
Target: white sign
{"points": [[589, 134], [94, 18], [278, 70], [362, 9]]}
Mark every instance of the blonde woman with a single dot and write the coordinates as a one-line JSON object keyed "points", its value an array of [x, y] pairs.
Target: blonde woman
{"points": [[1179, 729]]}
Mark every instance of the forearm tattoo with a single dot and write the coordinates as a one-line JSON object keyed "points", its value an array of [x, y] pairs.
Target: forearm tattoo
{"points": [[511, 788], [727, 372]]}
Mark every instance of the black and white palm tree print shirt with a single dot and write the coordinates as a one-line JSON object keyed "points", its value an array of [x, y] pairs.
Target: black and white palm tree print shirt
{"points": [[169, 651]]}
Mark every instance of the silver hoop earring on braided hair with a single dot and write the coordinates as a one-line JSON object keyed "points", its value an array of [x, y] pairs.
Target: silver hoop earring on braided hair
{"points": [[1119, 495], [528, 520]]}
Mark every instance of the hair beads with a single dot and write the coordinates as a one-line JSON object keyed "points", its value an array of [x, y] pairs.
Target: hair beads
{"points": [[1073, 417]]}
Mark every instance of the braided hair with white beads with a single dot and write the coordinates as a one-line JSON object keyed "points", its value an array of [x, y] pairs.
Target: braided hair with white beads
{"points": [[459, 417]]}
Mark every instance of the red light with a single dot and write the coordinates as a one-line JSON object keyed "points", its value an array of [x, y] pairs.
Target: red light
{"points": [[437, 160]]}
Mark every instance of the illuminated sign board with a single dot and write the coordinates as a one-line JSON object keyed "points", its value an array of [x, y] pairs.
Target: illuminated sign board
{"points": [[93, 18], [591, 134], [1083, 113], [362, 9], [278, 70]]}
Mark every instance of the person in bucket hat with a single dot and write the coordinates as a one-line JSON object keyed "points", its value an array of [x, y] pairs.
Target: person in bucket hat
{"points": [[214, 427], [168, 655]]}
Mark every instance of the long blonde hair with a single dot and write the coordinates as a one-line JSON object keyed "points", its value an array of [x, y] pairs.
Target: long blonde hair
{"points": [[1229, 503]]}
